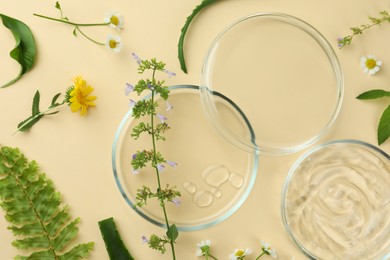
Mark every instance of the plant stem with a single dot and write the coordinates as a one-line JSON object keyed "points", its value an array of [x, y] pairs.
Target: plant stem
{"points": [[263, 253], [158, 174], [68, 22], [89, 38], [37, 115]]}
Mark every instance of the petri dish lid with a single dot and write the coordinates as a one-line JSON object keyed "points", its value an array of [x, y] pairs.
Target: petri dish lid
{"points": [[336, 201], [213, 176], [282, 73]]}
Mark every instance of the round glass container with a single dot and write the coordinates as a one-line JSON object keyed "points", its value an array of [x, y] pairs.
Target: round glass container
{"points": [[213, 176], [336, 201], [282, 73]]}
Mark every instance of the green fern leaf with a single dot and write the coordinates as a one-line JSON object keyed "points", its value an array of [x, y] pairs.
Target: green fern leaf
{"points": [[33, 209]]}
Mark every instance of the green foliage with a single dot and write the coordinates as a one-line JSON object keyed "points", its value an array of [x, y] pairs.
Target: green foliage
{"points": [[383, 132], [37, 114], [373, 94], [146, 108], [116, 249], [24, 51], [185, 29], [33, 209], [384, 16]]}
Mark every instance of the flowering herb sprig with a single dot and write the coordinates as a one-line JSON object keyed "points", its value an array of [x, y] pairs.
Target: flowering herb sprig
{"points": [[344, 41], [147, 109], [77, 96], [112, 19]]}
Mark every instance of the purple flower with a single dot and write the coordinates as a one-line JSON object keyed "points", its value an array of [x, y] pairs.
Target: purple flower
{"points": [[136, 171], [160, 167], [172, 164], [129, 88], [145, 240], [162, 118], [170, 73], [150, 86], [169, 106], [137, 59], [177, 202], [134, 156], [132, 103]]}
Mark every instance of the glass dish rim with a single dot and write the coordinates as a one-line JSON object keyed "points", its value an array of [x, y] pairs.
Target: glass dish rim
{"points": [[251, 146], [229, 212], [298, 162]]}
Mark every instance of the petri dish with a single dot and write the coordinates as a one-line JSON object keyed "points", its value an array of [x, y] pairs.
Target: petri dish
{"points": [[336, 201], [213, 176], [282, 73]]}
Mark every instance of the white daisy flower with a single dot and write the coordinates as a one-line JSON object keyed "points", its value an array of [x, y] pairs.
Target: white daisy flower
{"points": [[202, 247], [115, 20], [266, 247], [370, 64], [114, 43], [239, 254]]}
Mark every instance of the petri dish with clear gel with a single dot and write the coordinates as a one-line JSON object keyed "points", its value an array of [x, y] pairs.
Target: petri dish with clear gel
{"points": [[282, 73], [213, 176], [336, 201]]}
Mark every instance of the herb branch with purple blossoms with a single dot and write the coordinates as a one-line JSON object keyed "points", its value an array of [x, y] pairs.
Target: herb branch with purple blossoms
{"points": [[141, 159], [384, 16]]}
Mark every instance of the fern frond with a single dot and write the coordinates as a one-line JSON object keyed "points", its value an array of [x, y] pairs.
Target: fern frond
{"points": [[33, 209]]}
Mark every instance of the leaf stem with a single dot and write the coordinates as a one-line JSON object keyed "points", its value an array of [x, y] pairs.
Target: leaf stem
{"points": [[263, 253], [71, 23], [89, 38]]}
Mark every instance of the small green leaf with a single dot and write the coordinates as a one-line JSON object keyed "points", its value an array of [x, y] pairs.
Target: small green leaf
{"points": [[384, 126], [172, 233], [75, 31], [28, 123], [24, 50], [373, 94], [53, 101], [77, 252], [35, 104], [115, 247], [58, 6], [184, 31]]}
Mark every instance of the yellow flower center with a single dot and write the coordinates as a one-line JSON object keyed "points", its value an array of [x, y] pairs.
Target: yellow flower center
{"points": [[112, 44], [240, 252], [370, 63], [114, 20]]}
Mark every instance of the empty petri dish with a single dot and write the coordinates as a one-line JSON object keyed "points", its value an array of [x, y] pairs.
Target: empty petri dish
{"points": [[336, 201], [282, 73], [213, 176]]}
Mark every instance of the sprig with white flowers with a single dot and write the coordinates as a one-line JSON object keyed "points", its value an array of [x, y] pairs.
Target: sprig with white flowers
{"points": [[204, 249], [112, 19], [146, 109]]}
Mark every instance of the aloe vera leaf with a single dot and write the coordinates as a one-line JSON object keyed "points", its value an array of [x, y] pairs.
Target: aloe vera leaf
{"points": [[185, 29], [116, 249]]}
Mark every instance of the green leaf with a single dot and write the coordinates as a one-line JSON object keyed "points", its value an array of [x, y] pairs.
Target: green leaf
{"points": [[34, 212], [54, 100], [58, 6], [24, 51], [77, 252], [184, 31], [373, 94], [116, 249], [35, 104], [28, 123], [384, 126], [172, 233]]}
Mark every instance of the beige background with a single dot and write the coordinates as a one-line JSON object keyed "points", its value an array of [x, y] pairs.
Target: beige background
{"points": [[75, 152]]}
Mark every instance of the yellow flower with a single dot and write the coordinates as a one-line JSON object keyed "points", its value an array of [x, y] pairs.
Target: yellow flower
{"points": [[79, 98]]}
